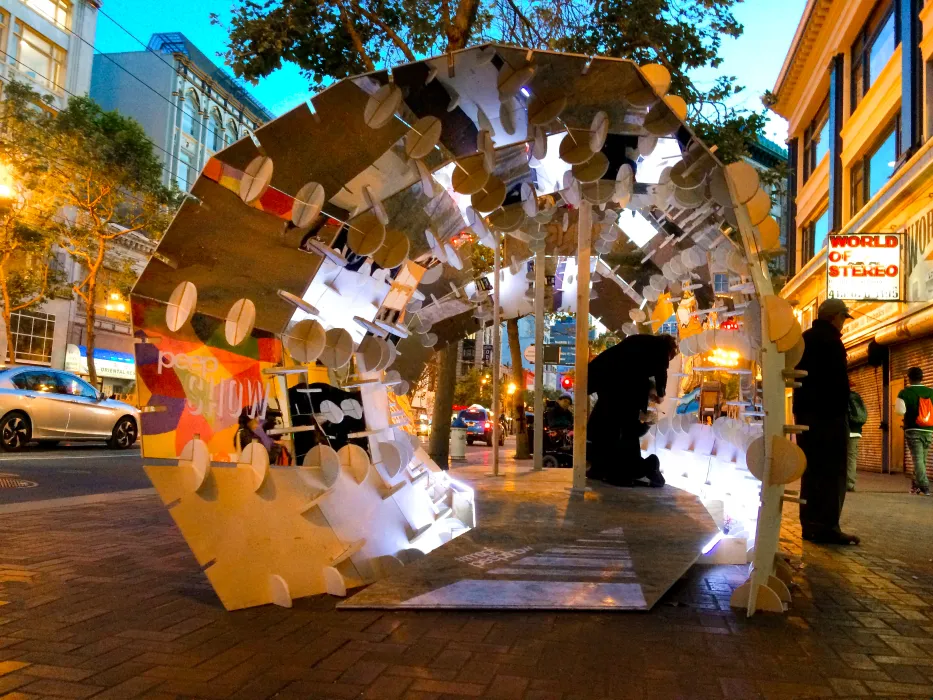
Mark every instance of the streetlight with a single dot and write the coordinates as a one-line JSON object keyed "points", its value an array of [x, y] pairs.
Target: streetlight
{"points": [[512, 388]]}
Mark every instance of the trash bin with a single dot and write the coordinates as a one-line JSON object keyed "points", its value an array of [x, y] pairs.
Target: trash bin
{"points": [[458, 444]]}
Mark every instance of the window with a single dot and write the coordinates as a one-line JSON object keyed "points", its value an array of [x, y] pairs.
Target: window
{"points": [[231, 135], [59, 11], [42, 61], [185, 172], [109, 301], [869, 174], [32, 336], [189, 120], [816, 140], [872, 49], [721, 283], [215, 132], [46, 382], [670, 325], [814, 236], [73, 386]]}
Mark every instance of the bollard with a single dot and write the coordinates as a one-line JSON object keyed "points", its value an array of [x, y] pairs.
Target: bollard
{"points": [[458, 444]]}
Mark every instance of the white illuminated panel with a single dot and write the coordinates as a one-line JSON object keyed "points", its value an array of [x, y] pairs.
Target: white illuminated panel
{"points": [[863, 267], [665, 155], [636, 227]]}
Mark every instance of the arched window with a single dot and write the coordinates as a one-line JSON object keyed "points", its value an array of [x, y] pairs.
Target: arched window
{"points": [[231, 135], [215, 131], [190, 123]]}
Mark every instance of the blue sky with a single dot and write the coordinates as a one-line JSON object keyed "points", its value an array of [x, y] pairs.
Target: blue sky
{"points": [[755, 58]]}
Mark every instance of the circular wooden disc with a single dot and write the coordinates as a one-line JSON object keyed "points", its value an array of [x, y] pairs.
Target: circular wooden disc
{"points": [[788, 461], [598, 192], [780, 316], [305, 341], [599, 129], [240, 321], [759, 207], [593, 169], [658, 76], [719, 189], [539, 146], [321, 467], [366, 234], [543, 109], [370, 353], [507, 219], [308, 204], [575, 149], [393, 251], [685, 180], [661, 121], [744, 180], [490, 197], [255, 457], [453, 258], [487, 148], [643, 96], [256, 179], [793, 356], [511, 80], [181, 305], [427, 180], [352, 408], [507, 117], [689, 199], [338, 347], [354, 461], [646, 145], [789, 341], [770, 233], [423, 137], [678, 105], [330, 412], [428, 340], [432, 274], [390, 457], [298, 302], [381, 106], [469, 175]]}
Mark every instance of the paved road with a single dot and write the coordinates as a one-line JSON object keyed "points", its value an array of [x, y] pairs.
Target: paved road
{"points": [[68, 470]]}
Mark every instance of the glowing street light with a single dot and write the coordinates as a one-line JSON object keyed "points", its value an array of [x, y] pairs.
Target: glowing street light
{"points": [[512, 388]]}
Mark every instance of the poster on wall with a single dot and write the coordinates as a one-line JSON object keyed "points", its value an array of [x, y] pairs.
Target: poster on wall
{"points": [[920, 279], [194, 383], [864, 267]]}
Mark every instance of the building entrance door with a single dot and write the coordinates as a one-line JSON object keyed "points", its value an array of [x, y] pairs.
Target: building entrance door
{"points": [[896, 429]]}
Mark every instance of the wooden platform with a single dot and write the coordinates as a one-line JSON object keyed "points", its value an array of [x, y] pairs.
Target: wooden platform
{"points": [[538, 545]]}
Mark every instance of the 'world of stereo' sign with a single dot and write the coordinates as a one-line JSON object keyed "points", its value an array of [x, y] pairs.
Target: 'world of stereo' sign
{"points": [[864, 267]]}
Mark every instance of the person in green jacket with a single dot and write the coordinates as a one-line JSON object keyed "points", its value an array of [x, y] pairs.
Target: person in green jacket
{"points": [[918, 429], [858, 415]]}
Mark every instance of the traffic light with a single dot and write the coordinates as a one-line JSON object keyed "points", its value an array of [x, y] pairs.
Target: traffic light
{"points": [[566, 383]]}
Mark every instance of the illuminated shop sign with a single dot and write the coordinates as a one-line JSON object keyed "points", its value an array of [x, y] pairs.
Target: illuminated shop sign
{"points": [[864, 267]]}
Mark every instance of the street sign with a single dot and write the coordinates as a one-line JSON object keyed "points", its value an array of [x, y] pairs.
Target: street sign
{"points": [[530, 353]]}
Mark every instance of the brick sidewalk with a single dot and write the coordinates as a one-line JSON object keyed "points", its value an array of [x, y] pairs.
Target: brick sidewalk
{"points": [[106, 601]]}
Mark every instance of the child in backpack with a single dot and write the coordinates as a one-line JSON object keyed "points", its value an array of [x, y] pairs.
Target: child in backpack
{"points": [[915, 403]]}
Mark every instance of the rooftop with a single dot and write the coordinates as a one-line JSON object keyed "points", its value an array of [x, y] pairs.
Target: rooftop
{"points": [[176, 42]]}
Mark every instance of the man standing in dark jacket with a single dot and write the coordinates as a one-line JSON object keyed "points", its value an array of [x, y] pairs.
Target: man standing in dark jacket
{"points": [[822, 404], [622, 376]]}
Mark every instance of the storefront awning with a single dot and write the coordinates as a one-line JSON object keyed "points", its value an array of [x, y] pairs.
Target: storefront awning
{"points": [[108, 363]]}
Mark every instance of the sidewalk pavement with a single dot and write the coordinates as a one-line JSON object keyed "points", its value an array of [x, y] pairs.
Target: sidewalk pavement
{"points": [[103, 599]]}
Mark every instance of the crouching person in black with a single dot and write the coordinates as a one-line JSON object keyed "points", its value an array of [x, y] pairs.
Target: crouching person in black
{"points": [[623, 377]]}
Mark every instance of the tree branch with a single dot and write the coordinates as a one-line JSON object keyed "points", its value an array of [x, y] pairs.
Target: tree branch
{"points": [[355, 37], [396, 39]]}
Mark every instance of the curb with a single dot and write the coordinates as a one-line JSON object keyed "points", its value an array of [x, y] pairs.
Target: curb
{"points": [[73, 501]]}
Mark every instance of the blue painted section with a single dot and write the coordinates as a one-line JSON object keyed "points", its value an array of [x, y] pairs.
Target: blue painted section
{"points": [[109, 355]]}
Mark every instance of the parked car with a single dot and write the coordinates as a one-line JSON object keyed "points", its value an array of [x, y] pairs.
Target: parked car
{"points": [[48, 406], [479, 425]]}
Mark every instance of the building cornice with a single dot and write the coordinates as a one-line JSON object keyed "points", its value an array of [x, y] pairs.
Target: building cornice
{"points": [[808, 32]]}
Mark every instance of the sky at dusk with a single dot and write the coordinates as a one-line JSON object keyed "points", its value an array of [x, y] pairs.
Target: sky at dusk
{"points": [[755, 58]]}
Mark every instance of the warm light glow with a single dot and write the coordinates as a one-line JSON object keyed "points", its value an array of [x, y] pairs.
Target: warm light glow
{"points": [[6, 192], [484, 380], [512, 388], [115, 296], [723, 358]]}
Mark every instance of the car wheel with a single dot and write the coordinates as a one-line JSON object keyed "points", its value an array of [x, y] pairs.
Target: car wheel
{"points": [[15, 432], [489, 441], [469, 441], [549, 462], [124, 434]]}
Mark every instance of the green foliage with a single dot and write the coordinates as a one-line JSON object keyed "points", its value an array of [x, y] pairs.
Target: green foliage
{"points": [[31, 200], [111, 181], [471, 389]]}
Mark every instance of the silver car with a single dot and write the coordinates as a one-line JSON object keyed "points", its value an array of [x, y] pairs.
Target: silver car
{"points": [[47, 405]]}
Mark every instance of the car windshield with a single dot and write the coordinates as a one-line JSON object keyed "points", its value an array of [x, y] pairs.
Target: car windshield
{"points": [[473, 415]]}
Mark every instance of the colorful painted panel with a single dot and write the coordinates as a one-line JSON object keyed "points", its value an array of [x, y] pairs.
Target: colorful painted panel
{"points": [[193, 383]]}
